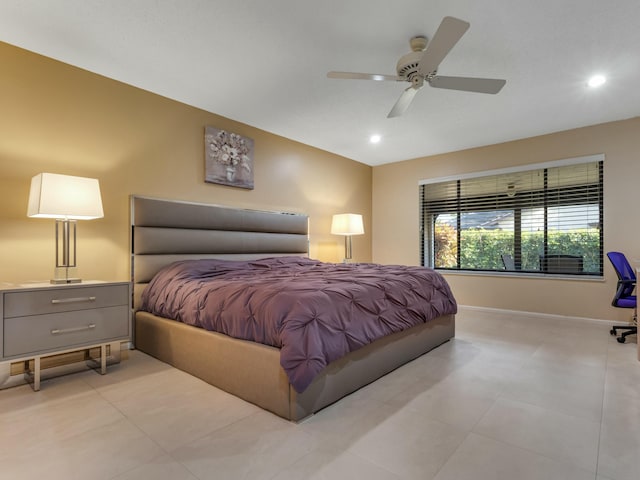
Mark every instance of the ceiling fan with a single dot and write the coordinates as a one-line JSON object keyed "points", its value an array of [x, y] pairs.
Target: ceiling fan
{"points": [[421, 65]]}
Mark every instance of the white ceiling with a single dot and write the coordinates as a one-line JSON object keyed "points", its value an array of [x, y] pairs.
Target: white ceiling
{"points": [[264, 63]]}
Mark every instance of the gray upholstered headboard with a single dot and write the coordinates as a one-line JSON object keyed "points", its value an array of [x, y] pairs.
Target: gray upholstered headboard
{"points": [[165, 231]]}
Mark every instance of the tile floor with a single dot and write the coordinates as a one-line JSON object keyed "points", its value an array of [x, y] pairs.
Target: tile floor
{"points": [[509, 398]]}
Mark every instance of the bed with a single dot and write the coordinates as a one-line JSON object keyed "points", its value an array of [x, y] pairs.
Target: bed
{"points": [[166, 234]]}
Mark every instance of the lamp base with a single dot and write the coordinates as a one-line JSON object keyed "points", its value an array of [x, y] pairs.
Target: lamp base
{"points": [[62, 281], [63, 275]]}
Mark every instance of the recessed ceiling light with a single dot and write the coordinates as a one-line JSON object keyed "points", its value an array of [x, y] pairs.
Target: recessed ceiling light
{"points": [[375, 138], [596, 81]]}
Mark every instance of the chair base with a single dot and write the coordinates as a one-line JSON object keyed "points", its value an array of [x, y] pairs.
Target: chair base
{"points": [[631, 330]]}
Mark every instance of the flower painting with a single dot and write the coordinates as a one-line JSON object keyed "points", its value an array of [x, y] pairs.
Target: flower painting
{"points": [[228, 158]]}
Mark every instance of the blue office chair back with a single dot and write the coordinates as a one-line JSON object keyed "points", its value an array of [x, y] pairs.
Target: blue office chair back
{"points": [[624, 297]]}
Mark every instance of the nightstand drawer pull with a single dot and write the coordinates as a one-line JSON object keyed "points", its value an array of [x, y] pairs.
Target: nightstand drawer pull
{"points": [[57, 301], [60, 331]]}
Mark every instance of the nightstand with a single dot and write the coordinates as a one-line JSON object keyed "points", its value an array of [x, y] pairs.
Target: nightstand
{"points": [[42, 320]]}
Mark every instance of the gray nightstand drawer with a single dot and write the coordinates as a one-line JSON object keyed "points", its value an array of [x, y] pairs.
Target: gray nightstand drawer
{"points": [[33, 334], [63, 299]]}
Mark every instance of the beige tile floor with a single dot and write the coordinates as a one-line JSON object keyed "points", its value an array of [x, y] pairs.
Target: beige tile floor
{"points": [[509, 398]]}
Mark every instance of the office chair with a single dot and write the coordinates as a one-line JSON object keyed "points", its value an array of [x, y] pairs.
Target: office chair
{"points": [[561, 263], [508, 262], [623, 297]]}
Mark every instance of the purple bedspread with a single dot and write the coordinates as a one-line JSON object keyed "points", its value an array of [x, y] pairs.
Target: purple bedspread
{"points": [[314, 312]]}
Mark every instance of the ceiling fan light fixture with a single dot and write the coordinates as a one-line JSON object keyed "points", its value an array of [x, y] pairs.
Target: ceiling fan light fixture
{"points": [[597, 81]]}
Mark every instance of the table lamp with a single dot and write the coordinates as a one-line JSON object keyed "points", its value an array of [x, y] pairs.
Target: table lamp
{"points": [[66, 199], [347, 224]]}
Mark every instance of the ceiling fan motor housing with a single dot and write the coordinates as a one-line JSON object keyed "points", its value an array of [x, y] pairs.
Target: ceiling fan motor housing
{"points": [[407, 66]]}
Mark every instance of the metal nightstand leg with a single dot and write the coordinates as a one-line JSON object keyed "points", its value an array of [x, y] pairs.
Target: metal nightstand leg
{"points": [[33, 377], [103, 359], [102, 364]]}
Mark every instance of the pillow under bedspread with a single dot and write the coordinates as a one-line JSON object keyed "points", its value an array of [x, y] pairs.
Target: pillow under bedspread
{"points": [[314, 312]]}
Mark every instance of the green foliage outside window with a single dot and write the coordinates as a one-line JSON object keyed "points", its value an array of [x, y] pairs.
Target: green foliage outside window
{"points": [[445, 246], [482, 249]]}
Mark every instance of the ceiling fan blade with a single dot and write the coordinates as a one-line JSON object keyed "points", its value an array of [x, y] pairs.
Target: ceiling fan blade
{"points": [[449, 32], [403, 102], [364, 76], [468, 84]]}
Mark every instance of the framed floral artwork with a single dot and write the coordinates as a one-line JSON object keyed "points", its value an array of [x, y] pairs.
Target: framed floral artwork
{"points": [[228, 158]]}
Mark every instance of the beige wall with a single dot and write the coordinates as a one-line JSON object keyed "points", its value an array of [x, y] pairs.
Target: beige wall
{"points": [[396, 219], [59, 119]]}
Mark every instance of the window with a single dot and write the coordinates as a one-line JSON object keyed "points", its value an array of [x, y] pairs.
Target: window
{"points": [[543, 219]]}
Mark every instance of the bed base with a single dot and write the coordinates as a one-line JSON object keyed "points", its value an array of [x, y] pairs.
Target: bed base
{"points": [[252, 371]]}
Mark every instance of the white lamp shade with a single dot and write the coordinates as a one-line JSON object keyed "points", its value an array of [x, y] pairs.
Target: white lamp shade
{"points": [[64, 196], [347, 224]]}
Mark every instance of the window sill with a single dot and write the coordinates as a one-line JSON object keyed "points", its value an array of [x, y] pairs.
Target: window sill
{"points": [[532, 276]]}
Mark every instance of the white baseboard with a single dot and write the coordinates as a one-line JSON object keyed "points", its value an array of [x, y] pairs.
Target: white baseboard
{"points": [[518, 314]]}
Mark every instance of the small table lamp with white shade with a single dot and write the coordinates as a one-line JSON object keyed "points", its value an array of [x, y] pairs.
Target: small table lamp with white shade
{"points": [[347, 224], [66, 199]]}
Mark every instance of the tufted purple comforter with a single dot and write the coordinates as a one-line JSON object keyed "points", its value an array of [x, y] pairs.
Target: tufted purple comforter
{"points": [[314, 312]]}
